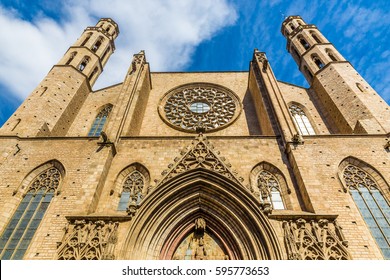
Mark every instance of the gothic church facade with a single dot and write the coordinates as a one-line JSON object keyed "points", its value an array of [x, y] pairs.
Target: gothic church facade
{"points": [[216, 165]]}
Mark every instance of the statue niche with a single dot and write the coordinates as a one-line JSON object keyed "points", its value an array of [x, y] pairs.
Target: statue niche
{"points": [[200, 244]]}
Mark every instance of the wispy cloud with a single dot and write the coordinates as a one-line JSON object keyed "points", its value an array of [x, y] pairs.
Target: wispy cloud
{"points": [[168, 31]]}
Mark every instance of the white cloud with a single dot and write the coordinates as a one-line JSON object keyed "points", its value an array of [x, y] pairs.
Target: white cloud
{"points": [[168, 31]]}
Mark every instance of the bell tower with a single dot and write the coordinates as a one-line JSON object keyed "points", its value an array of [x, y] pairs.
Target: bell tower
{"points": [[347, 101], [52, 106]]}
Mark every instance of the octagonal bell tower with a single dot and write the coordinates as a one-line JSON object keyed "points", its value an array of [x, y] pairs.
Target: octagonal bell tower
{"points": [[348, 102], [52, 106]]}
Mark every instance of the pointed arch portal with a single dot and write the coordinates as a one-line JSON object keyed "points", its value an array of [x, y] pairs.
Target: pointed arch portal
{"points": [[215, 217]]}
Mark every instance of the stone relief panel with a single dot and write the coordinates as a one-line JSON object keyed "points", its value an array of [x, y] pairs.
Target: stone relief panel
{"points": [[315, 240], [88, 240]]}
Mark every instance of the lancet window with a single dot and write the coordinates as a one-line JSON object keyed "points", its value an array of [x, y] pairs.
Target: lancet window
{"points": [[372, 205], [100, 120], [270, 189], [19, 232], [131, 190], [301, 120]]}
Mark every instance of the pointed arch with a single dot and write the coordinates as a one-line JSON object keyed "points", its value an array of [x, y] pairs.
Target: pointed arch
{"points": [[100, 120], [303, 42], [269, 183], [367, 189], [84, 63], [39, 188], [97, 44], [132, 183], [301, 119], [231, 213]]}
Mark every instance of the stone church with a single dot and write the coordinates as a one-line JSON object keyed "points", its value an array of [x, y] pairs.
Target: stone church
{"points": [[200, 165]]}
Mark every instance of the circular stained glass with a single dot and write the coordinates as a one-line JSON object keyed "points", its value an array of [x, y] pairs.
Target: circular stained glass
{"points": [[203, 105]]}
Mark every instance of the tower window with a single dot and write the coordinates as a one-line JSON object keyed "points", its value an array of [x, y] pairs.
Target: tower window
{"points": [[307, 71], [97, 44], [71, 57], [16, 124], [360, 87], [132, 190], [295, 52], [19, 232], [95, 70], [84, 63], [318, 62], [372, 205], [270, 189], [315, 37], [304, 43], [100, 120], [86, 39], [331, 55], [106, 52], [301, 120], [291, 26]]}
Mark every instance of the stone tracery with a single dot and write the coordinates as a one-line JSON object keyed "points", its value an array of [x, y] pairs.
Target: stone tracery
{"points": [[206, 105]]}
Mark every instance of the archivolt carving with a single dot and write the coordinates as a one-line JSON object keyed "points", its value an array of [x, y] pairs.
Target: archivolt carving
{"points": [[199, 105], [88, 240], [314, 240], [200, 155]]}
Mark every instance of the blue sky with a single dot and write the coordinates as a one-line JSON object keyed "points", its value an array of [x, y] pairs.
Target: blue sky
{"points": [[186, 35]]}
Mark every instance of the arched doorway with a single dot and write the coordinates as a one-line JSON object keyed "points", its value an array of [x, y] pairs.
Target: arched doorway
{"points": [[213, 216]]}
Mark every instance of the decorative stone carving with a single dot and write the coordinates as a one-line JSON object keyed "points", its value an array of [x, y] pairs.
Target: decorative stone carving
{"points": [[88, 240], [48, 180], [200, 155], [355, 178], [314, 240], [199, 107]]}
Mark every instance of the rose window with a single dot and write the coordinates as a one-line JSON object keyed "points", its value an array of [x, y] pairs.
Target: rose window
{"points": [[203, 105]]}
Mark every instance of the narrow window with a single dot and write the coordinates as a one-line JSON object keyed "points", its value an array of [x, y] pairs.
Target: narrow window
{"points": [[360, 87], [16, 124], [100, 120], [106, 52], [331, 56], [318, 62], [86, 39], [301, 120], [132, 190], [307, 71], [372, 205], [108, 28], [304, 43], [95, 70], [19, 232], [84, 63], [269, 188], [72, 56], [315, 38], [97, 45], [295, 52], [43, 90], [291, 26]]}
